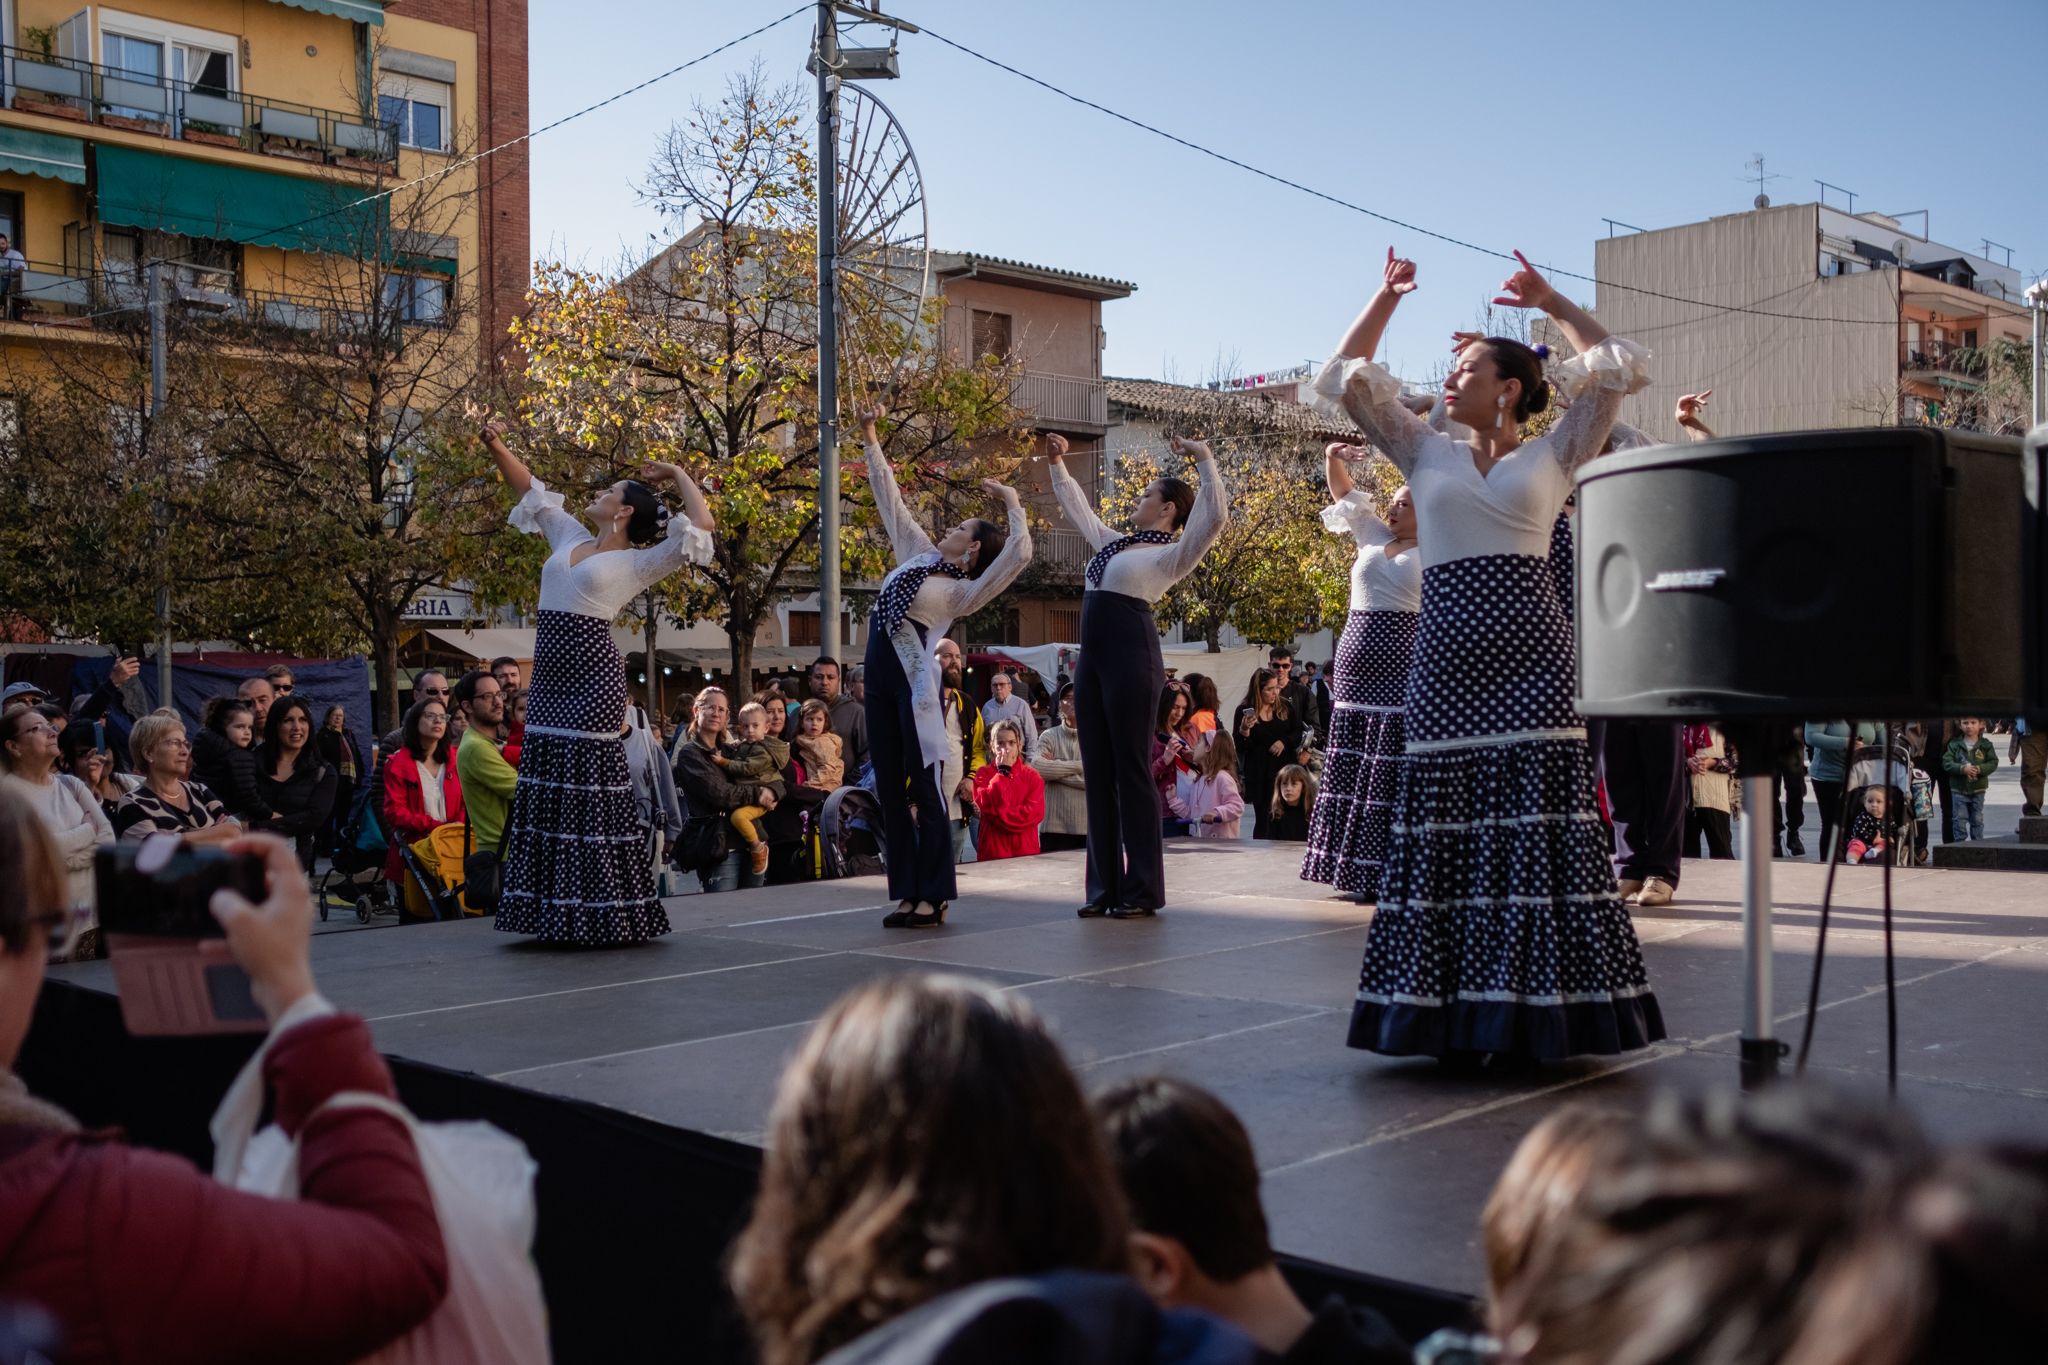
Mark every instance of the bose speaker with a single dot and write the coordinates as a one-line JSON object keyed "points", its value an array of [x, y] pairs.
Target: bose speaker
{"points": [[1873, 574]]}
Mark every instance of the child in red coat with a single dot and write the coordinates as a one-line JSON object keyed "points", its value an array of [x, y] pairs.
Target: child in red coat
{"points": [[1011, 797]]}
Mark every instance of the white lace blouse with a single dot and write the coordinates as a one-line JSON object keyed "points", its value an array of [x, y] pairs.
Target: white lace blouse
{"points": [[1146, 571], [604, 581], [942, 599], [1511, 508], [1379, 581]]}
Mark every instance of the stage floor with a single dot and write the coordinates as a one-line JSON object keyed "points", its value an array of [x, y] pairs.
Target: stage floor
{"points": [[1244, 984]]}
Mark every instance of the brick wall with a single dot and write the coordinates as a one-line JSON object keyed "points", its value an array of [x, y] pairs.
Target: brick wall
{"points": [[506, 229]]}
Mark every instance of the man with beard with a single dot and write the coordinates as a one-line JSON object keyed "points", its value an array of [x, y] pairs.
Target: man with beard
{"points": [[969, 738]]}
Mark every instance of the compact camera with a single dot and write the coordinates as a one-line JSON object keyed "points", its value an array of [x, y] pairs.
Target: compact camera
{"points": [[172, 968]]}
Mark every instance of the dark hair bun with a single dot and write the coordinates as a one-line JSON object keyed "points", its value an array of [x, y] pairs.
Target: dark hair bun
{"points": [[1538, 398], [647, 523]]}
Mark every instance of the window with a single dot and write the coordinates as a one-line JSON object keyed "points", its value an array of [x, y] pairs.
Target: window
{"points": [[803, 630], [991, 335], [419, 107], [10, 218], [1066, 624], [158, 52], [421, 299]]}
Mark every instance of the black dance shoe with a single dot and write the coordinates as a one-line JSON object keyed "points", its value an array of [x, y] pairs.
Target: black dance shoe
{"points": [[902, 916], [1794, 847], [1095, 909], [1133, 911]]}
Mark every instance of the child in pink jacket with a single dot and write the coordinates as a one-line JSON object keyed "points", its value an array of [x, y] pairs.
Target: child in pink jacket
{"points": [[1213, 806]]}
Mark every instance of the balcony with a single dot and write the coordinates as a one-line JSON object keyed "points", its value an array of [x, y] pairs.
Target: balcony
{"points": [[115, 296], [1063, 553], [1063, 402], [1941, 360], [86, 92]]}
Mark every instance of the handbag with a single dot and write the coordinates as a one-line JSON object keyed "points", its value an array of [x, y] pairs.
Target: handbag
{"points": [[702, 844], [483, 871]]}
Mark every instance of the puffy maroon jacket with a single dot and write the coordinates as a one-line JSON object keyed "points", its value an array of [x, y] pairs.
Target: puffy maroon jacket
{"points": [[140, 1257]]}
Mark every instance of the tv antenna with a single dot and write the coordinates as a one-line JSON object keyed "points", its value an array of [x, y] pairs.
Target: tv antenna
{"points": [[1759, 177]]}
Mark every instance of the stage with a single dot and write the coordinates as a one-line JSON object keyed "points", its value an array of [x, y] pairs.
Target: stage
{"points": [[1373, 1165]]}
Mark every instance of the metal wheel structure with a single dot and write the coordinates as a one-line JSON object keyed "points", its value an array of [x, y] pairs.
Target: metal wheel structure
{"points": [[884, 267]]}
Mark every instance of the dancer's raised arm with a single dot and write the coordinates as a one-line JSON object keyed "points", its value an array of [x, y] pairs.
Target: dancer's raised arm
{"points": [[510, 467], [1211, 512], [907, 539], [966, 596], [1362, 389], [538, 511], [1605, 370], [1690, 406], [694, 505], [1351, 511], [1073, 499]]}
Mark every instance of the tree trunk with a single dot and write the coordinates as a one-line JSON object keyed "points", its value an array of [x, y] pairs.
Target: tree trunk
{"points": [[384, 649], [741, 639], [1212, 635]]}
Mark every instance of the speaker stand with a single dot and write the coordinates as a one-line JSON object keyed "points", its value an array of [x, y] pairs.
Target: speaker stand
{"points": [[1761, 1050]]}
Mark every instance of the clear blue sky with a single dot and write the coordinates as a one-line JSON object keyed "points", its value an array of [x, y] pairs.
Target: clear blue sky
{"points": [[1509, 125]]}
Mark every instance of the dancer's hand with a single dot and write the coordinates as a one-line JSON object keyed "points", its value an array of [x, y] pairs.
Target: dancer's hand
{"points": [[1195, 450], [1400, 275], [490, 426], [1349, 454], [870, 417], [1690, 406], [1055, 447], [1003, 491], [1526, 288], [657, 471], [1460, 340]]}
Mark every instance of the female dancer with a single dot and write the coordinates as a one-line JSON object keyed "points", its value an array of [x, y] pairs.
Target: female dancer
{"points": [[1347, 841], [1499, 929], [1121, 673], [576, 868], [932, 585]]}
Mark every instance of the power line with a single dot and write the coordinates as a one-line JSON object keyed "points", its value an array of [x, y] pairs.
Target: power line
{"points": [[1405, 226]]}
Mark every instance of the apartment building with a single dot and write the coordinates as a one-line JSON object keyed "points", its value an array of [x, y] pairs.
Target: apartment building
{"points": [[1846, 319], [236, 139]]}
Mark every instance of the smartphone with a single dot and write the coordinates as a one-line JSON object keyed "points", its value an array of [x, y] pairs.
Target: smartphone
{"points": [[172, 969]]}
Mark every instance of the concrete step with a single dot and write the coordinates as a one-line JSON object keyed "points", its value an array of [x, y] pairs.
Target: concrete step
{"points": [[2005, 853], [2034, 829]]}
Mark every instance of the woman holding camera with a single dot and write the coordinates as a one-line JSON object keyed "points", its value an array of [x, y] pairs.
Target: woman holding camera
{"points": [[139, 1257]]}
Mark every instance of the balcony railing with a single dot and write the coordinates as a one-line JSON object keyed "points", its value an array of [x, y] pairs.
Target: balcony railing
{"points": [[1943, 357], [1063, 552], [86, 92], [47, 292], [1057, 399]]}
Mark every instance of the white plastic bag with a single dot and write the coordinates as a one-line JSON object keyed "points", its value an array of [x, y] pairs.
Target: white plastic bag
{"points": [[482, 1182]]}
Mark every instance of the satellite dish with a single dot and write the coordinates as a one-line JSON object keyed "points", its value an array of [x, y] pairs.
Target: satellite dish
{"points": [[1903, 250], [1763, 201]]}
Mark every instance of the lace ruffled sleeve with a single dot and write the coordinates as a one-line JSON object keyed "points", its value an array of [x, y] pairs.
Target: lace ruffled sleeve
{"points": [[1596, 380], [540, 513], [682, 542], [1353, 515], [1368, 394]]}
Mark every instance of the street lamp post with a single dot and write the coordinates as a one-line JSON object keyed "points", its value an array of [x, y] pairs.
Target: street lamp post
{"points": [[2037, 297]]}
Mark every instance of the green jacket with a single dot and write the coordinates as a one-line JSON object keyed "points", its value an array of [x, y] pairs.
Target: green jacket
{"points": [[1959, 752]]}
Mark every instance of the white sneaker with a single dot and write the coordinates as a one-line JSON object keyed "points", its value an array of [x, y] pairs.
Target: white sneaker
{"points": [[1655, 891], [1629, 887]]}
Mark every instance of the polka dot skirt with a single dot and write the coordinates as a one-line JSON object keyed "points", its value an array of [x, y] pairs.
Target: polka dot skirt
{"points": [[1347, 833], [1498, 927], [576, 867]]}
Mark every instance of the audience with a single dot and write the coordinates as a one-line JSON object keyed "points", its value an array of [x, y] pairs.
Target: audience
{"points": [[505, 669], [822, 753], [259, 694], [1010, 796], [515, 723], [69, 811], [931, 1169], [1005, 703], [1066, 790], [136, 1255], [849, 717], [164, 799], [1294, 799], [84, 759], [1710, 767], [422, 789], [967, 740], [752, 759], [1787, 1227], [339, 751], [481, 770], [294, 781], [1212, 808], [1969, 761], [711, 797], [1198, 1234], [224, 758]]}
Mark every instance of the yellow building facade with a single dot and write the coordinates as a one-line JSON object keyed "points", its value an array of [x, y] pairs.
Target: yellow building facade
{"points": [[247, 145]]}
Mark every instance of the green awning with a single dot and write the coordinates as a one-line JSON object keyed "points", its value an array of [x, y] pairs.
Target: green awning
{"points": [[195, 198], [439, 265], [361, 11], [50, 154]]}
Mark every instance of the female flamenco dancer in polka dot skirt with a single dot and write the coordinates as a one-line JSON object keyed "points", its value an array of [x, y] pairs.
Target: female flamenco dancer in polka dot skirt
{"points": [[1347, 834], [576, 867], [1499, 929]]}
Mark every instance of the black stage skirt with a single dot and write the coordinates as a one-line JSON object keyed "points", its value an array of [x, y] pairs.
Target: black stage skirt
{"points": [[576, 865], [1347, 836], [1498, 927]]}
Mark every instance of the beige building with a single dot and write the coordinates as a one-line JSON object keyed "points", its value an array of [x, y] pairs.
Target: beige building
{"points": [[1854, 320]]}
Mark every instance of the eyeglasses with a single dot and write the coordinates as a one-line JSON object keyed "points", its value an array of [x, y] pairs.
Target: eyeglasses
{"points": [[41, 727], [433, 691]]}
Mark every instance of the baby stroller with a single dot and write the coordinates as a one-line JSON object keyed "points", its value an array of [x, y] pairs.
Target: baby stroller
{"points": [[355, 867], [852, 833], [1908, 798]]}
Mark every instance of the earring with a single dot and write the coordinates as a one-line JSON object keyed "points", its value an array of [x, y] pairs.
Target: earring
{"points": [[1500, 417]]}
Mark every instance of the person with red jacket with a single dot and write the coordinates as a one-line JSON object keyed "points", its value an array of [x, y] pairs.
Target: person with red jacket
{"points": [[422, 790], [1011, 797], [138, 1257]]}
